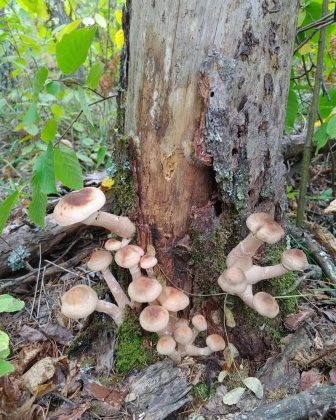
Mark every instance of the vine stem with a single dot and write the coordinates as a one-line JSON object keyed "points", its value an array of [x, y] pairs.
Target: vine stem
{"points": [[311, 121]]}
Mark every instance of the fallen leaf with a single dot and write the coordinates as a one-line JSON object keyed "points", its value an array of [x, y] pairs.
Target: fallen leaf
{"points": [[310, 378], [230, 353], [222, 375], [31, 334], [228, 317], [232, 397], [57, 332], [255, 386], [331, 208], [332, 375], [330, 314], [38, 374], [294, 321], [26, 356], [73, 412]]}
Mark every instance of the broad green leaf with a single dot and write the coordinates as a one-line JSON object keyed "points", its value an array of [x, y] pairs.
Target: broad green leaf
{"points": [[72, 50], [58, 111], [96, 71], [48, 132], [8, 303], [100, 155], [68, 28], [53, 88], [44, 171], [4, 343], [31, 116], [6, 207], [5, 367], [119, 39], [100, 20], [327, 103], [232, 397], [255, 386], [67, 168], [228, 317], [38, 205], [81, 97], [37, 7], [331, 127], [292, 109]]}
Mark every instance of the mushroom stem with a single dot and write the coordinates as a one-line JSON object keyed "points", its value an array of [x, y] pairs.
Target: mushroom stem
{"points": [[120, 225], [135, 272], [247, 296], [191, 350], [110, 309], [116, 290], [257, 273], [241, 255]]}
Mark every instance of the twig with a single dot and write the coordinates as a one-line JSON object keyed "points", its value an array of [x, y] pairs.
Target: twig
{"points": [[37, 282], [40, 295], [328, 17], [310, 129]]}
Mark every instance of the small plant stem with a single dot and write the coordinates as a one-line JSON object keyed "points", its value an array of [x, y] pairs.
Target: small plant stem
{"points": [[312, 115]]}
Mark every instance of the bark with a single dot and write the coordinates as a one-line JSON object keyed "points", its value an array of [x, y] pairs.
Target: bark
{"points": [[206, 95]]}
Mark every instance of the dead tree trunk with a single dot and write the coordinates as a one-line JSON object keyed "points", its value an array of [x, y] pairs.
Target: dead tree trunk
{"points": [[207, 84]]}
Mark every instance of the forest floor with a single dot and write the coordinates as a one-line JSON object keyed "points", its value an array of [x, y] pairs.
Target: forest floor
{"points": [[90, 370]]}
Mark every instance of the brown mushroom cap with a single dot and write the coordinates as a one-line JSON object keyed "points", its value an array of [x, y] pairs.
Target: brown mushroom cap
{"points": [[199, 322], [265, 304], [270, 232], [77, 206], [183, 335], [154, 318], [112, 245], [79, 302], [173, 299], [99, 260], [232, 280], [215, 342], [148, 261], [256, 220], [294, 259], [128, 256], [182, 322], [144, 289], [166, 345]]}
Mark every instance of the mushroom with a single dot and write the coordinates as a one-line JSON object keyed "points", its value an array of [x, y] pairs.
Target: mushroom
{"points": [[233, 281], [173, 299], [147, 262], [129, 257], [199, 325], [154, 318], [167, 346], [84, 206], [144, 289], [100, 260], [265, 305], [81, 301], [183, 336], [214, 343]]}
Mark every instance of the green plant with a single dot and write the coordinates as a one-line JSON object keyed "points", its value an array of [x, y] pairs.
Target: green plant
{"points": [[7, 304]]}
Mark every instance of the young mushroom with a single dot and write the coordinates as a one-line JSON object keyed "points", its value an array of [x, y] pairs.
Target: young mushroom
{"points": [[100, 260], [173, 300], [129, 257], [84, 206], [154, 318], [214, 343], [167, 346], [144, 289], [265, 305], [199, 325], [81, 301], [147, 262]]}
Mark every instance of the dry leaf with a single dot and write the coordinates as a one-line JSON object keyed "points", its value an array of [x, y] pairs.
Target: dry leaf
{"points": [[228, 317], [222, 375], [255, 386], [311, 378], [31, 334], [73, 412], [57, 332], [230, 353], [38, 374], [331, 208], [332, 375], [232, 397]]}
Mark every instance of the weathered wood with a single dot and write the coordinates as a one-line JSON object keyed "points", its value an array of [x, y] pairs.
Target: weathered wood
{"points": [[293, 145], [159, 391], [206, 95], [316, 401]]}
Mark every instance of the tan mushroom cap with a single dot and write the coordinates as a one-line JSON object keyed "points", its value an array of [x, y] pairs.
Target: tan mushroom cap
{"points": [[265, 304], [173, 299], [128, 256], [112, 245], [294, 259], [199, 322], [77, 206], [256, 220], [183, 335], [144, 289], [232, 280], [99, 260], [148, 261], [182, 322], [166, 345], [270, 232], [79, 302], [154, 318], [215, 342]]}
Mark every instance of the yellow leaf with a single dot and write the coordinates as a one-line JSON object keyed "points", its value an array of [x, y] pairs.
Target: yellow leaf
{"points": [[118, 16], [305, 49], [119, 39], [107, 183]]}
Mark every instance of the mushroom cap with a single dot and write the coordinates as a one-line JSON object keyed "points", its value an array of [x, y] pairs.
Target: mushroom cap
{"points": [[182, 322], [154, 318], [99, 260], [166, 345], [183, 335], [256, 220], [232, 280], [79, 302], [265, 304], [270, 232], [294, 259], [199, 322], [148, 261], [77, 206], [128, 256], [144, 289], [112, 245], [173, 299], [215, 342]]}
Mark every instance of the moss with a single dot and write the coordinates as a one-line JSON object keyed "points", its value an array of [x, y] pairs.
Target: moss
{"points": [[234, 378], [131, 351], [202, 392]]}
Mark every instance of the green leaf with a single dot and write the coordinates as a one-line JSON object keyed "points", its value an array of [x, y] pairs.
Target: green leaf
{"points": [[96, 71], [100, 155], [5, 367], [292, 109], [327, 103], [321, 137], [67, 168], [6, 207], [331, 127], [58, 111], [100, 20], [81, 97], [53, 88], [255, 386], [72, 50], [4, 344], [232, 397], [44, 171], [34, 6], [38, 205], [48, 132], [31, 116], [8, 303], [39, 80]]}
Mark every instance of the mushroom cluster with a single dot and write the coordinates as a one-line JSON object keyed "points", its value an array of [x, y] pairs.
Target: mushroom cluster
{"points": [[241, 273]]}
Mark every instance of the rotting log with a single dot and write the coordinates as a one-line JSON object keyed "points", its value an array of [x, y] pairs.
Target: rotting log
{"points": [[207, 84]]}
